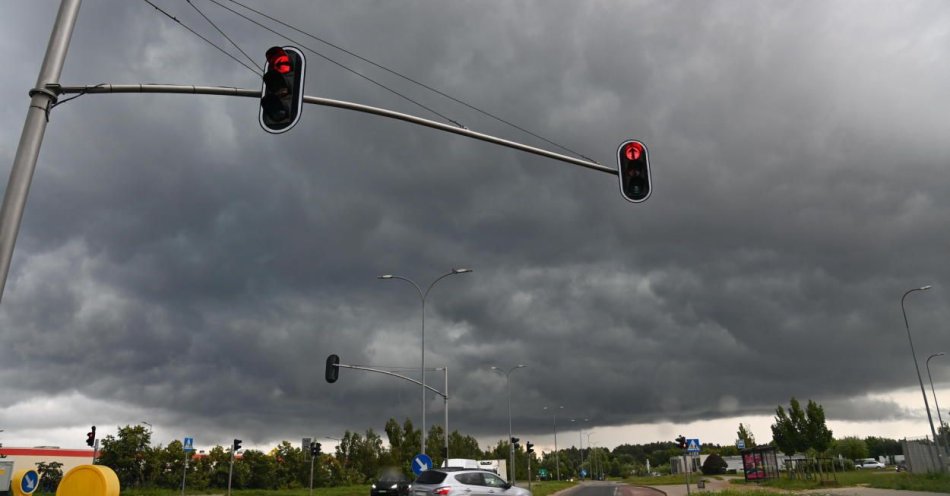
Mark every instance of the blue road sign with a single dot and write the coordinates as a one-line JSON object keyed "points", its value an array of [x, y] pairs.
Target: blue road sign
{"points": [[189, 444], [740, 444], [421, 463], [29, 482], [583, 473], [692, 445]]}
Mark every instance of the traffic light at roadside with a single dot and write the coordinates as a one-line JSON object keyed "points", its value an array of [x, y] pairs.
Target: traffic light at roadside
{"points": [[529, 448], [633, 168], [91, 437], [282, 93], [333, 371], [236, 446], [681, 442], [314, 449], [514, 442]]}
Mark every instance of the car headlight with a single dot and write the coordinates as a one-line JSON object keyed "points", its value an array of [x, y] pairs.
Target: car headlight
{"points": [[394, 486], [374, 486]]}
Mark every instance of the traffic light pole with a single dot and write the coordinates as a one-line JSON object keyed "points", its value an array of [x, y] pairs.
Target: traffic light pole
{"points": [[48, 89], [42, 99]]}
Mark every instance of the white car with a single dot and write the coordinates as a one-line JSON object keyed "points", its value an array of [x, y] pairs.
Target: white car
{"points": [[868, 463]]}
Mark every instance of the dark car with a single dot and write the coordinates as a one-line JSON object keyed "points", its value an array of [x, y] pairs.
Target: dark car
{"points": [[391, 484]]}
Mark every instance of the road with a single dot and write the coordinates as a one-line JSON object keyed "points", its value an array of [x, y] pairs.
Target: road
{"points": [[595, 488]]}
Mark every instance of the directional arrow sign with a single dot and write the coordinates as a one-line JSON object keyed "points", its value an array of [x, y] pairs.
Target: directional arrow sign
{"points": [[29, 482], [421, 463]]}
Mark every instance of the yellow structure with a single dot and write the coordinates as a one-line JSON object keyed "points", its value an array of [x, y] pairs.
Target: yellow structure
{"points": [[89, 480]]}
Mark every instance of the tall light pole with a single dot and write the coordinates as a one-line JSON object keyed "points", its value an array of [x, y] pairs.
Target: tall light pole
{"points": [[580, 442], [557, 460], [937, 405], [422, 296], [919, 378], [511, 445]]}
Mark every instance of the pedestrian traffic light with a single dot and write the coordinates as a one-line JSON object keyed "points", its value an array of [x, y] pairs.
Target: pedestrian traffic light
{"points": [[314, 449], [282, 94], [91, 437], [333, 369], [236, 446], [529, 448], [633, 168], [681, 442]]}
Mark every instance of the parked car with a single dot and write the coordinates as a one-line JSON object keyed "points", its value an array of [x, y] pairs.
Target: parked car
{"points": [[901, 467], [463, 482], [868, 463], [391, 483]]}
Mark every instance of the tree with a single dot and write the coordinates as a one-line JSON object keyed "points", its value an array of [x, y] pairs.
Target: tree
{"points": [[714, 465], [851, 448], [128, 454], [50, 475], [746, 436], [788, 429], [815, 431]]}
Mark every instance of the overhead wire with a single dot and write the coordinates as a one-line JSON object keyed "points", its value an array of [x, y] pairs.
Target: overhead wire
{"points": [[411, 80], [156, 7], [215, 26], [339, 64]]}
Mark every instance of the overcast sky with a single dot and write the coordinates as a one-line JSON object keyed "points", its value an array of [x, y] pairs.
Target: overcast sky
{"points": [[178, 265]]}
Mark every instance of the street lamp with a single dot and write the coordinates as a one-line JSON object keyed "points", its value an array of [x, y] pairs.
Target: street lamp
{"points": [[557, 460], [511, 445], [422, 296], [937, 405], [917, 367], [580, 442]]}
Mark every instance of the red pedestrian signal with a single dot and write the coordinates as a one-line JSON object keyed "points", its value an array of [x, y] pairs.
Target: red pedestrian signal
{"points": [[633, 168], [282, 93]]}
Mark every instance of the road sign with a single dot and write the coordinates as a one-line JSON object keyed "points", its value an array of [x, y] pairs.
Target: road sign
{"points": [[421, 463], [583, 473], [692, 445], [29, 482], [189, 444], [543, 472], [740, 444]]}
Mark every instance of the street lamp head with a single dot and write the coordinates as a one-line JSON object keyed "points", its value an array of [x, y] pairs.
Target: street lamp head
{"points": [[925, 288], [520, 366], [385, 276], [461, 270]]}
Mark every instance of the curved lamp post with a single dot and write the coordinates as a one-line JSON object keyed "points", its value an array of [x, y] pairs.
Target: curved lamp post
{"points": [[423, 295], [511, 446], [936, 405], [917, 367]]}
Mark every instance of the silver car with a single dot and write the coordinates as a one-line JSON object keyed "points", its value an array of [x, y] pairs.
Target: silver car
{"points": [[463, 482]]}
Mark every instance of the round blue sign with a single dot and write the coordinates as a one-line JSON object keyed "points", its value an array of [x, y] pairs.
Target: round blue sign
{"points": [[29, 482], [421, 463]]}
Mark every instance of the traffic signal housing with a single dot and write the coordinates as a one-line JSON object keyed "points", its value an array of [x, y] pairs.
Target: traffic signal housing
{"points": [[91, 437], [529, 447], [333, 371], [514, 442], [633, 168], [314, 449], [681, 442], [282, 92], [236, 446]]}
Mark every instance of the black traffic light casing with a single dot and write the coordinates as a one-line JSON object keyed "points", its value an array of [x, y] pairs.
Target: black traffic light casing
{"points": [[633, 166], [236, 446], [282, 92], [681, 442], [314, 449], [333, 371], [529, 447], [514, 442], [91, 437]]}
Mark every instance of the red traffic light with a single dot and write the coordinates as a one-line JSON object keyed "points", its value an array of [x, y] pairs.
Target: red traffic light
{"points": [[633, 150], [633, 170], [278, 60]]}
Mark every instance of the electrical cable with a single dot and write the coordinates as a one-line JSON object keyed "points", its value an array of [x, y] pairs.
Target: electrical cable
{"points": [[328, 59], [411, 80], [156, 7], [261, 69]]}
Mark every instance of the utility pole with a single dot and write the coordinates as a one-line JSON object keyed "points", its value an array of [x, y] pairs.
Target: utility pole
{"points": [[24, 163]]}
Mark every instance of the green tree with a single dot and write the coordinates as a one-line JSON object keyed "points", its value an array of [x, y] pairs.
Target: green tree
{"points": [[714, 465], [261, 469], [50, 475], [815, 431], [464, 446], [851, 448], [787, 431], [290, 466], [127, 454], [745, 435], [435, 443]]}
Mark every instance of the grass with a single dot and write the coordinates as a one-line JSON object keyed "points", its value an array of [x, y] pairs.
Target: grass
{"points": [[880, 479]]}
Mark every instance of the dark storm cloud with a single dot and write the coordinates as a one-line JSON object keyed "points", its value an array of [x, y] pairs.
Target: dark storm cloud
{"points": [[175, 257]]}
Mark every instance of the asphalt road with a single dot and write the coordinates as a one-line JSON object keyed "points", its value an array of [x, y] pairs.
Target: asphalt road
{"points": [[612, 489]]}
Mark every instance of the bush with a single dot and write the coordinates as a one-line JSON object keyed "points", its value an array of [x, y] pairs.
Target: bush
{"points": [[714, 465]]}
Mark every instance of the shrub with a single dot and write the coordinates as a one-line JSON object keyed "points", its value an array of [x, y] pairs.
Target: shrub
{"points": [[714, 465]]}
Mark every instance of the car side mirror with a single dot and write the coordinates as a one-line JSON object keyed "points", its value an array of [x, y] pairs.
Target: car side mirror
{"points": [[507, 485]]}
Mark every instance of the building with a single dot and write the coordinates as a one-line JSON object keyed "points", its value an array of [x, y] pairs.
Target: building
{"points": [[29, 457]]}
